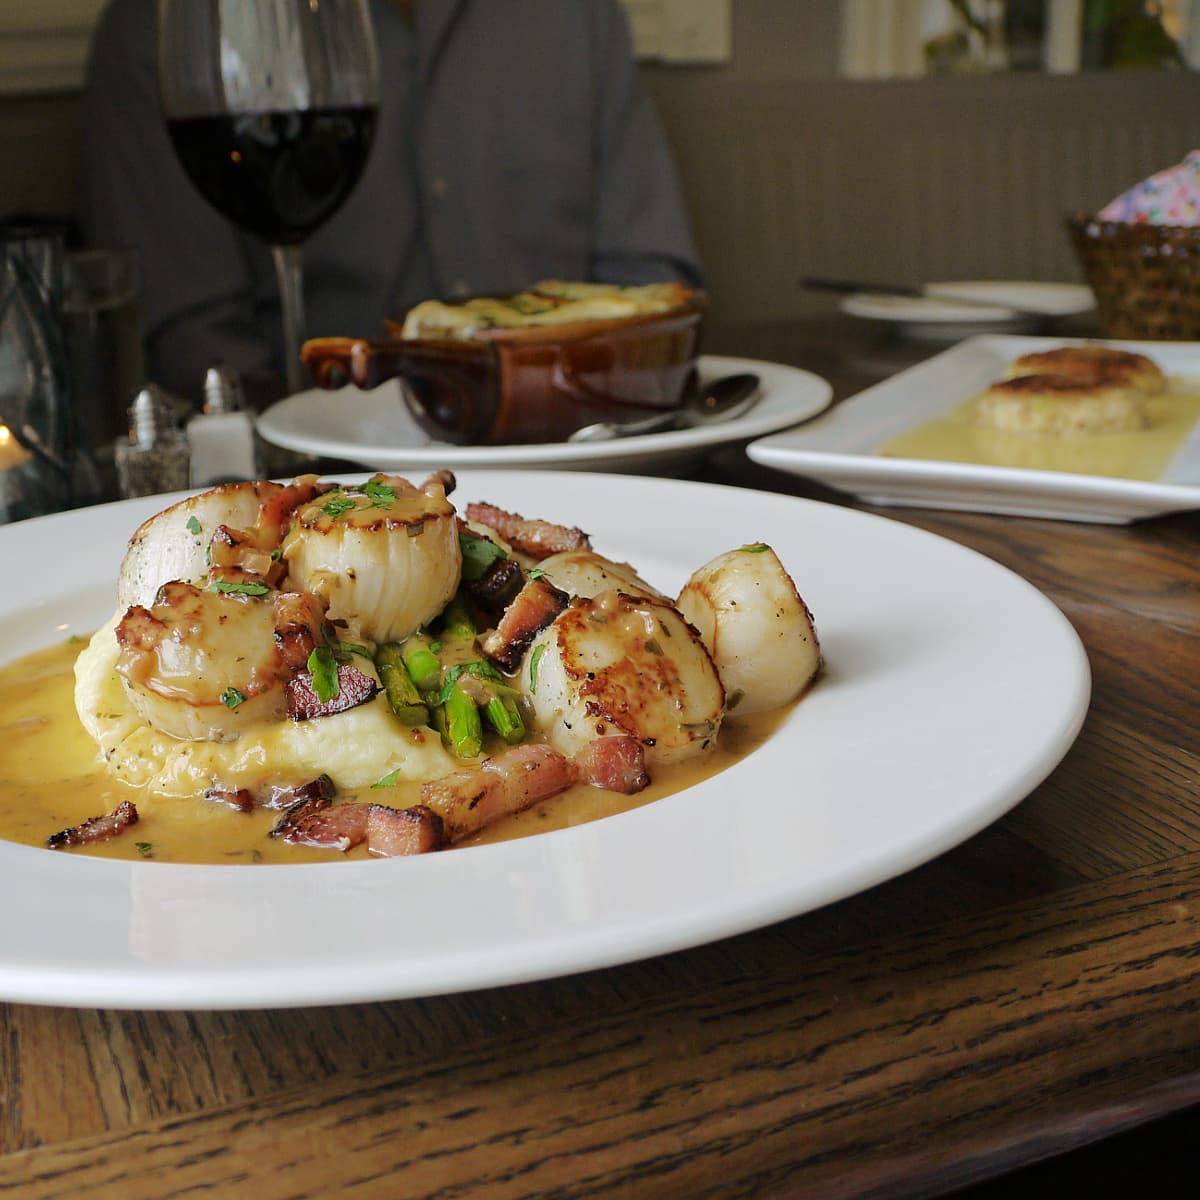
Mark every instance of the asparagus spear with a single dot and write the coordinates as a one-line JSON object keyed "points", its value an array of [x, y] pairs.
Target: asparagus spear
{"points": [[504, 717], [401, 691], [464, 727], [421, 663]]}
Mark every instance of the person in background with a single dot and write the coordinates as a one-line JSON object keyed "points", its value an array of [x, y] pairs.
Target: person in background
{"points": [[513, 144]]}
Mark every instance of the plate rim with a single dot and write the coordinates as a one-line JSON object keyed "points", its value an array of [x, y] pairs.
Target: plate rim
{"points": [[146, 915], [816, 396]]}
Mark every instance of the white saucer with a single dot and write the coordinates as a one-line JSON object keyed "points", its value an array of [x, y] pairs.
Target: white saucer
{"points": [[955, 309], [375, 429]]}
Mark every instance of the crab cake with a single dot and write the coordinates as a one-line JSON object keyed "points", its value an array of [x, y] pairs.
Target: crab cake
{"points": [[1118, 367], [1045, 403]]}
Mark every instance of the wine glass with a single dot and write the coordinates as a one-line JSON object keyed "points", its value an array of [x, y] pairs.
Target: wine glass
{"points": [[271, 108]]}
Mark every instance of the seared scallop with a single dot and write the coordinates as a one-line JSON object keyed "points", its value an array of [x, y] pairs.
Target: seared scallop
{"points": [[586, 573], [622, 665], [759, 631], [383, 555], [174, 544], [206, 666]]}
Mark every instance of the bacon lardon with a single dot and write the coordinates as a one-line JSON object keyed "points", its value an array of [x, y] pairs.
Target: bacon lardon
{"points": [[468, 801], [96, 829], [536, 606], [535, 539], [615, 763], [355, 687]]}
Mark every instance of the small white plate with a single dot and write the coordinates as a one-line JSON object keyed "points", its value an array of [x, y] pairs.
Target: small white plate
{"points": [[376, 430], [924, 728], [992, 306], [841, 448]]}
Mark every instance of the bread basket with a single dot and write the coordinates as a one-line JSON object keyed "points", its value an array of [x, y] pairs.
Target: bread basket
{"points": [[1146, 278]]}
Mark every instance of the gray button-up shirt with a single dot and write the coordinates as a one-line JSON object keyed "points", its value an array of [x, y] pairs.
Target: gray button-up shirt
{"points": [[513, 143]]}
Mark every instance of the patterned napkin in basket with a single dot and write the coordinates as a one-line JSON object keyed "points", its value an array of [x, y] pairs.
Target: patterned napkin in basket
{"points": [[1170, 197]]}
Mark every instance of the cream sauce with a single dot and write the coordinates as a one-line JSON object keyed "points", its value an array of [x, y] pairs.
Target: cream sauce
{"points": [[1143, 454], [51, 778]]}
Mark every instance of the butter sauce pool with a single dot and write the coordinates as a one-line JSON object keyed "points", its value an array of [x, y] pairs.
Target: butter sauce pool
{"points": [[51, 779], [1141, 455]]}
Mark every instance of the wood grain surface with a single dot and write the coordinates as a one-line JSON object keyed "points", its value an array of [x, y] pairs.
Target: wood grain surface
{"points": [[1029, 992]]}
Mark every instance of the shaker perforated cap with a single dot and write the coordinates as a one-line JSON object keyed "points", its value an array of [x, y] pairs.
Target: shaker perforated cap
{"points": [[223, 390], [152, 416]]}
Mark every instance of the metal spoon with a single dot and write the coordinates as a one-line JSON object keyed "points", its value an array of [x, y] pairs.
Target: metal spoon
{"points": [[722, 400]]}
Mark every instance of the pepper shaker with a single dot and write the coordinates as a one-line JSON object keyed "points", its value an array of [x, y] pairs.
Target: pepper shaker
{"points": [[222, 437], [154, 457]]}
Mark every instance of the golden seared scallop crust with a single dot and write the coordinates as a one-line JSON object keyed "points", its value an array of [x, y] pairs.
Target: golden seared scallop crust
{"points": [[1045, 403], [1118, 367]]}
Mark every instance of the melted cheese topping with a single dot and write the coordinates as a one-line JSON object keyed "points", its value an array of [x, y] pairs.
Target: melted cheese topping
{"points": [[550, 302]]}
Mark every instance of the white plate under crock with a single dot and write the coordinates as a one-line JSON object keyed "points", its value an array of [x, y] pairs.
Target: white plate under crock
{"points": [[374, 428]]}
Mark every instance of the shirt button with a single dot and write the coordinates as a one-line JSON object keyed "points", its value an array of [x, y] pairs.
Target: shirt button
{"points": [[438, 186], [460, 288]]}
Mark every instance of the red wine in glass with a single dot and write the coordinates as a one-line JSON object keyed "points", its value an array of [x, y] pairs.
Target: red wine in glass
{"points": [[270, 106], [277, 175]]}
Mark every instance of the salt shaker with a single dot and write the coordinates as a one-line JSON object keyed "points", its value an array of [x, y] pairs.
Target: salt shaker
{"points": [[222, 437], [154, 457]]}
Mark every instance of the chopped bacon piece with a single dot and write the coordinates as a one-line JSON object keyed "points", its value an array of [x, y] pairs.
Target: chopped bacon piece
{"points": [[536, 605], [443, 478], [392, 832], [295, 818], [536, 539], [616, 763], [320, 788], [276, 509], [96, 829], [240, 798], [234, 555], [299, 617], [497, 587], [355, 687], [327, 827], [467, 801]]}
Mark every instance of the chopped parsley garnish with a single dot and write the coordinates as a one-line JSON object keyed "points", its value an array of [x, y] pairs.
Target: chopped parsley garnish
{"points": [[389, 779], [237, 588], [231, 698], [343, 650], [276, 554], [323, 667], [534, 659], [536, 573], [755, 548], [478, 553], [478, 668], [380, 493], [145, 849], [194, 526], [338, 506]]}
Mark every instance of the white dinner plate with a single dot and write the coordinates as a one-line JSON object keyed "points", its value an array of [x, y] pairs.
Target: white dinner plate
{"points": [[375, 429], [841, 448], [991, 306], [925, 727]]}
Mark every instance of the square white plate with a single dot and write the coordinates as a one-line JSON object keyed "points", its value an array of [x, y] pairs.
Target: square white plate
{"points": [[841, 448]]}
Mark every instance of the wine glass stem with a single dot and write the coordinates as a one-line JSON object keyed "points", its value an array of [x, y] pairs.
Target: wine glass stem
{"points": [[289, 274]]}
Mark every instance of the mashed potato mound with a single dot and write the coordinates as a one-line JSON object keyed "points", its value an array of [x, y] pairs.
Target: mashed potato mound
{"points": [[354, 748]]}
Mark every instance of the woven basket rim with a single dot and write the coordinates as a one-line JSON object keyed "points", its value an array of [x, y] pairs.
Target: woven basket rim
{"points": [[1082, 222]]}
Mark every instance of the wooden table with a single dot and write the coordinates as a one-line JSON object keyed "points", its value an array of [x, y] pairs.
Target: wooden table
{"points": [[1032, 990]]}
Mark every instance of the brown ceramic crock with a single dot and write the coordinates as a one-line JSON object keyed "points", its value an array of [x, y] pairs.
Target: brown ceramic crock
{"points": [[537, 383]]}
